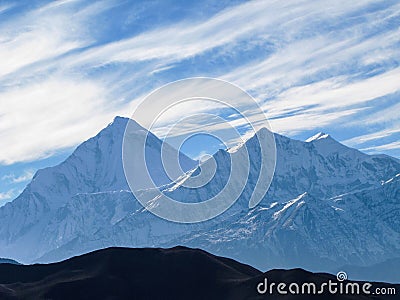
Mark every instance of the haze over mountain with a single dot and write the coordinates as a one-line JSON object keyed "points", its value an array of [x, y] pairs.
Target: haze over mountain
{"points": [[328, 205]]}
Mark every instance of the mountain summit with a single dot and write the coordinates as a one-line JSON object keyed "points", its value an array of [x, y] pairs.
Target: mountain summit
{"points": [[318, 136]]}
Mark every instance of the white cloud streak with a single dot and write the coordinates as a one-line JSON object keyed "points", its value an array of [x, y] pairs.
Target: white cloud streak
{"points": [[54, 114], [7, 195], [12, 178], [5, 7], [335, 93], [43, 111], [390, 146], [187, 39], [37, 36], [371, 136]]}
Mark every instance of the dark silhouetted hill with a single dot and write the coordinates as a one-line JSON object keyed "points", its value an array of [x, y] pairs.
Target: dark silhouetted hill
{"points": [[125, 273]]}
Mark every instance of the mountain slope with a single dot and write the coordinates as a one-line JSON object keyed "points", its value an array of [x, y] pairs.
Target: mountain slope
{"points": [[359, 228]]}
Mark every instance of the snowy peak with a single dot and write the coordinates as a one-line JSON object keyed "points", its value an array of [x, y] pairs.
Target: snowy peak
{"points": [[262, 136], [327, 146], [119, 125], [95, 165], [120, 121], [318, 136]]}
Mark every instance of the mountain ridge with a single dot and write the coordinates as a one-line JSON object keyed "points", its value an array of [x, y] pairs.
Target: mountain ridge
{"points": [[100, 211]]}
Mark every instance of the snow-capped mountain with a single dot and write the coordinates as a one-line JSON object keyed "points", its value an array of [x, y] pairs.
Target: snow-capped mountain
{"points": [[39, 216], [328, 205]]}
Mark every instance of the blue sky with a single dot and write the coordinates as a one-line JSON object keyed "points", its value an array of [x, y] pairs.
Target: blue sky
{"points": [[68, 67]]}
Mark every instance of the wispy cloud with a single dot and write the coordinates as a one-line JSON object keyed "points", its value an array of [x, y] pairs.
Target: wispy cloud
{"points": [[259, 19], [361, 139], [390, 146], [338, 93], [5, 7], [39, 35], [12, 178], [323, 79], [56, 113], [7, 195], [44, 108]]}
